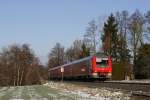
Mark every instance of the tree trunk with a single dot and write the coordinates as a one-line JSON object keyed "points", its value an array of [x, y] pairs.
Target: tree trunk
{"points": [[21, 78], [14, 80], [15, 75], [18, 75]]}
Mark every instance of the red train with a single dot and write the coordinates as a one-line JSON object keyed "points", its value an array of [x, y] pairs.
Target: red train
{"points": [[89, 67]]}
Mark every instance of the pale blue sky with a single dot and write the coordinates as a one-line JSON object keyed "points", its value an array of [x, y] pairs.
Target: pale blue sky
{"points": [[42, 23]]}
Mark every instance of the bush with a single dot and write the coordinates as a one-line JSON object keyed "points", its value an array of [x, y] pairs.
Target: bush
{"points": [[142, 66], [120, 70]]}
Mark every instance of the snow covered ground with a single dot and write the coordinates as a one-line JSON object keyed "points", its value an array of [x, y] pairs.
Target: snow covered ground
{"points": [[60, 91], [37, 92], [85, 93]]}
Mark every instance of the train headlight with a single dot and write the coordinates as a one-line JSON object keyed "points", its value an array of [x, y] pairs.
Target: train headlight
{"points": [[109, 74], [94, 74]]}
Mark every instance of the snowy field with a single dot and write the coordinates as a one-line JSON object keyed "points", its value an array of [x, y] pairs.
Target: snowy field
{"points": [[59, 91]]}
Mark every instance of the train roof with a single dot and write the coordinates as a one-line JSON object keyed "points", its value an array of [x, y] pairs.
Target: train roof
{"points": [[76, 61], [101, 55]]}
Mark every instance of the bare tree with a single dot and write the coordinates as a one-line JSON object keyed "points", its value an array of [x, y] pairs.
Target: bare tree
{"points": [[147, 25], [57, 55], [27, 59], [70, 54], [136, 30], [77, 46], [90, 36], [122, 20], [75, 51], [5, 77]]}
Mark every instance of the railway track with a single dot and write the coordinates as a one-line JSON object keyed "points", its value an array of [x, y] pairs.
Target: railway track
{"points": [[138, 88], [130, 82]]}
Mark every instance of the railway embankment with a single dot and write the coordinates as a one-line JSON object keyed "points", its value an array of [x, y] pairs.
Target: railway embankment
{"points": [[137, 87], [133, 87]]}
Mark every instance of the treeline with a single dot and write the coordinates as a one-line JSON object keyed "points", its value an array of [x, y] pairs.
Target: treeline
{"points": [[19, 66], [124, 36], [59, 56]]}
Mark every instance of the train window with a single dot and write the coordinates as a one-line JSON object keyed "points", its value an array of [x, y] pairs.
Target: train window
{"points": [[102, 63], [88, 63]]}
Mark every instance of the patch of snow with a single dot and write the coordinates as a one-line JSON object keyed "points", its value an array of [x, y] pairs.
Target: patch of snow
{"points": [[46, 84], [52, 95], [44, 99], [3, 89], [32, 93], [17, 93], [11, 89], [2, 93]]}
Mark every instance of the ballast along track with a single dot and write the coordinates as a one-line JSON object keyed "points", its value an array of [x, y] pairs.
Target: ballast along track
{"points": [[140, 88]]}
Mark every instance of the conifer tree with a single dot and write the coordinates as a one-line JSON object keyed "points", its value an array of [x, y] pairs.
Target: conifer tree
{"points": [[110, 37], [85, 51]]}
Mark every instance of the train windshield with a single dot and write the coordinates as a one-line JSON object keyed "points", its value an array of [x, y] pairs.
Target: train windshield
{"points": [[102, 62]]}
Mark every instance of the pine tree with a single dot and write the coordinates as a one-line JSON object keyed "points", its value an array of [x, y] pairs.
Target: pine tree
{"points": [[142, 69], [85, 51], [110, 37]]}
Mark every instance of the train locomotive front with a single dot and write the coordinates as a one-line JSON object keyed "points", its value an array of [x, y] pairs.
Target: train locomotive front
{"points": [[101, 67]]}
